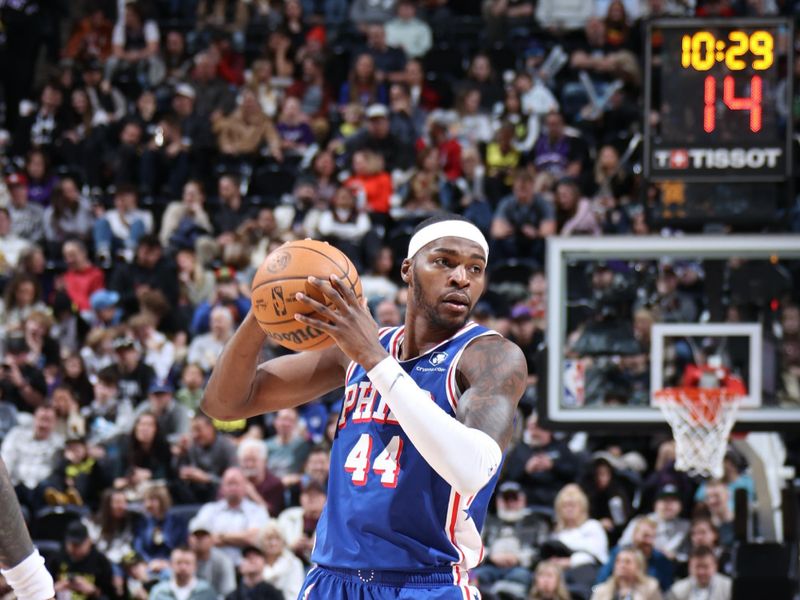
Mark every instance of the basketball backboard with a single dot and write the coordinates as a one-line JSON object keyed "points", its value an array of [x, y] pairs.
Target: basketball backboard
{"points": [[629, 315]]}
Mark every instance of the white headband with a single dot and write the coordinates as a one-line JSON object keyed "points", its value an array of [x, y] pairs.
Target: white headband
{"points": [[452, 228]]}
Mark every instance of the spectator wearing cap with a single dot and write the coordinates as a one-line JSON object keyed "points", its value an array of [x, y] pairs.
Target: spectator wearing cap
{"points": [[30, 454], [80, 569], [672, 531], [27, 219], [657, 564], [252, 585], [282, 569], [541, 463], [377, 137], [150, 270], [120, 228], [228, 294], [522, 221], [22, 384], [183, 583], [11, 244], [77, 478], [525, 332], [512, 538], [704, 580], [213, 565], [246, 130], [201, 458], [134, 376], [105, 307], [205, 348], [233, 520], [82, 278], [407, 32], [298, 524], [574, 213], [173, 418], [263, 486]]}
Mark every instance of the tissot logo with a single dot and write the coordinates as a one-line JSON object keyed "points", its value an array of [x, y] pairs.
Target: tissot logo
{"points": [[438, 358], [717, 158]]}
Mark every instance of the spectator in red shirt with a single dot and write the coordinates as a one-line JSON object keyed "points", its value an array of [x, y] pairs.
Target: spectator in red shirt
{"points": [[82, 278], [371, 180]]}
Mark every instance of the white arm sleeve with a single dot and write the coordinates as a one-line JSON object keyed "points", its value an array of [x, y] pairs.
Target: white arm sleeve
{"points": [[29, 579], [464, 457]]}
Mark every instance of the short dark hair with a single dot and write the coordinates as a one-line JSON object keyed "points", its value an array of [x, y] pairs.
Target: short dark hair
{"points": [[438, 218], [124, 189], [702, 552], [149, 240]]}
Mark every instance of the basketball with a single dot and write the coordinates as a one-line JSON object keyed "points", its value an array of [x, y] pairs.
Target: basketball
{"points": [[283, 274]]}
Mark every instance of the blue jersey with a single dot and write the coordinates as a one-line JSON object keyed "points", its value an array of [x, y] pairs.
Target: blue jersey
{"points": [[387, 508]]}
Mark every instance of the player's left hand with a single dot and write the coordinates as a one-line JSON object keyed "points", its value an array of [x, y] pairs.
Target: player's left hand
{"points": [[348, 322]]}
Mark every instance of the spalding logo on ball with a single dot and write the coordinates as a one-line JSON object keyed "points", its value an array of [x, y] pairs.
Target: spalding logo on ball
{"points": [[283, 274]]}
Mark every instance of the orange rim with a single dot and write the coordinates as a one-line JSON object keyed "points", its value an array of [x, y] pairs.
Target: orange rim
{"points": [[700, 402]]}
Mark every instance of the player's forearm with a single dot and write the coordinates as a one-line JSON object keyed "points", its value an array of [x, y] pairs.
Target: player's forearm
{"points": [[464, 457], [230, 386], [21, 564], [15, 543]]}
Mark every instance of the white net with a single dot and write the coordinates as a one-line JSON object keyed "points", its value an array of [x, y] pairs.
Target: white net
{"points": [[701, 421]]}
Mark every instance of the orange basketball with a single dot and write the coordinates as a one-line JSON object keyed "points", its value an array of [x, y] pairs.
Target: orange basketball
{"points": [[284, 273]]}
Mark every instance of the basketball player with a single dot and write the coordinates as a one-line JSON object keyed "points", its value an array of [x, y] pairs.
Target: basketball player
{"points": [[20, 563], [427, 413]]}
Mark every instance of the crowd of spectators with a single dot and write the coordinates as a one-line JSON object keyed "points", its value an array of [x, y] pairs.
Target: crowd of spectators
{"points": [[154, 152]]}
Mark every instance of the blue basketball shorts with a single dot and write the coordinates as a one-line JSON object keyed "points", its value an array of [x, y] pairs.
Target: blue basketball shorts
{"points": [[327, 583]]}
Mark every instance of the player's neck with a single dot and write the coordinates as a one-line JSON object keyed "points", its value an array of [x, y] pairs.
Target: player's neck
{"points": [[420, 336]]}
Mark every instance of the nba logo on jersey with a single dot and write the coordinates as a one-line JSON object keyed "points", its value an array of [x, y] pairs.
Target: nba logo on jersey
{"points": [[438, 358]]}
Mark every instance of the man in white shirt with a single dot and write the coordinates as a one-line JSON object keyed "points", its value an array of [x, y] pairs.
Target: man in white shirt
{"points": [[234, 521], [183, 585], [11, 245], [703, 583], [30, 452], [408, 32]]}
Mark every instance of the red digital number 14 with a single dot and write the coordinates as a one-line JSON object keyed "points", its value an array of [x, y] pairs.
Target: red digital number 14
{"points": [[752, 103]]}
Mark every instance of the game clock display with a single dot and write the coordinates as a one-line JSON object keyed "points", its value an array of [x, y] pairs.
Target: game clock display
{"points": [[714, 91]]}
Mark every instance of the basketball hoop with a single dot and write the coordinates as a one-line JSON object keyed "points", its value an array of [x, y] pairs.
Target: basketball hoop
{"points": [[701, 420]]}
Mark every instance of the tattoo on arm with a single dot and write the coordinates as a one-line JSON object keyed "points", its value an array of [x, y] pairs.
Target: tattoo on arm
{"points": [[15, 542], [494, 373]]}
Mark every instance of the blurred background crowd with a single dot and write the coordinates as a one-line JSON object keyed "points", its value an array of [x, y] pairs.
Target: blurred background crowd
{"points": [[154, 152]]}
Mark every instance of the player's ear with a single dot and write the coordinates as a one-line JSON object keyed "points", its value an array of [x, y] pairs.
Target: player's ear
{"points": [[405, 271]]}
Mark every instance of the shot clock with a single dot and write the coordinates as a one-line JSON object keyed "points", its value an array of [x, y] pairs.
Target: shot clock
{"points": [[714, 93]]}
